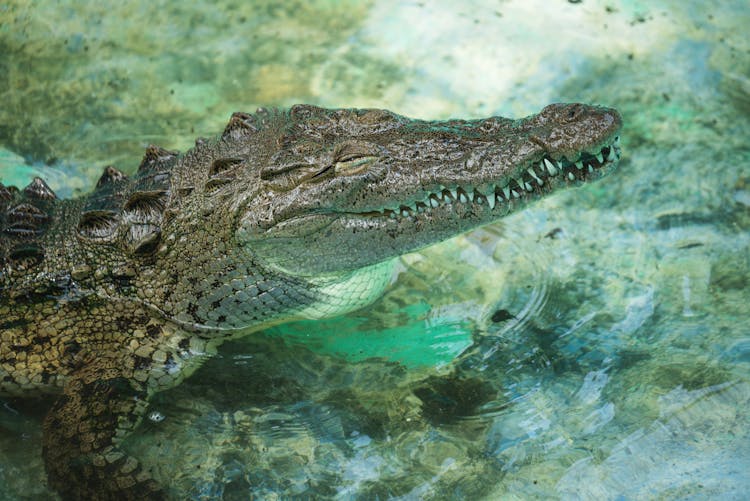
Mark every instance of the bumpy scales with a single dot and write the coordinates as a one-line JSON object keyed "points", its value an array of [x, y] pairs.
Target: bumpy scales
{"points": [[106, 299]]}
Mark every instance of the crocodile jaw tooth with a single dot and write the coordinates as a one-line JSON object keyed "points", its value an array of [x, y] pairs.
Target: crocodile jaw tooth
{"points": [[550, 168], [600, 157], [533, 174]]}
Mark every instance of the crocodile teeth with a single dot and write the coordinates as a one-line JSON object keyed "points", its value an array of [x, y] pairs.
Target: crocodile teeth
{"points": [[533, 174], [550, 168], [515, 188]]}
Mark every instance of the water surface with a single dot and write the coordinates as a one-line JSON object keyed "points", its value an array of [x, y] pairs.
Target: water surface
{"points": [[594, 346]]}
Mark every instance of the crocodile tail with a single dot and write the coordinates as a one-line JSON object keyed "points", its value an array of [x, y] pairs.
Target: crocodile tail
{"points": [[83, 461]]}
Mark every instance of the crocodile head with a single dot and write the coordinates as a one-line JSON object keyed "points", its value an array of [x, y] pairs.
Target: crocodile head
{"points": [[349, 188]]}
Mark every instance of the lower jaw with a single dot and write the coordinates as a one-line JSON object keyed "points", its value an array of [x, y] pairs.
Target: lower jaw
{"points": [[464, 212]]}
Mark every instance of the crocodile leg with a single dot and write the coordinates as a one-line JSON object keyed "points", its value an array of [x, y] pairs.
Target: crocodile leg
{"points": [[81, 434]]}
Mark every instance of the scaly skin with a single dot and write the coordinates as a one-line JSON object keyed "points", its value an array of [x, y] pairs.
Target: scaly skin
{"points": [[108, 299]]}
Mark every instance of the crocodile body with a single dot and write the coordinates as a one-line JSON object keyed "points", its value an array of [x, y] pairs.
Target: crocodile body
{"points": [[107, 299]]}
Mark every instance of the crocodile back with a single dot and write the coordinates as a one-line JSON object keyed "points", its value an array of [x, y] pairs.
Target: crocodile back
{"points": [[25, 217], [129, 212], [68, 273]]}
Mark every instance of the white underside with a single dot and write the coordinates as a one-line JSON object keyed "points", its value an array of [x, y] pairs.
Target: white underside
{"points": [[348, 293]]}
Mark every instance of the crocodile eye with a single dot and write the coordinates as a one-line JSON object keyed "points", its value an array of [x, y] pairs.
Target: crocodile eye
{"points": [[354, 165], [354, 157]]}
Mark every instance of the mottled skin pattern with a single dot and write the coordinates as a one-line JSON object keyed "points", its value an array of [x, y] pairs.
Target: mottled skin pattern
{"points": [[107, 299]]}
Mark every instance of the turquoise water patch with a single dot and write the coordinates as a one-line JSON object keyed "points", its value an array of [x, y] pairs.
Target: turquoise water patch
{"points": [[424, 339], [65, 180], [14, 171]]}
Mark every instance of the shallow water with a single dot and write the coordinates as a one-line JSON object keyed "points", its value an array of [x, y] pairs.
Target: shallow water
{"points": [[594, 346]]}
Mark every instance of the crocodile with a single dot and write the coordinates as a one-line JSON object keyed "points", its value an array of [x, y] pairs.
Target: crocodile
{"points": [[298, 213]]}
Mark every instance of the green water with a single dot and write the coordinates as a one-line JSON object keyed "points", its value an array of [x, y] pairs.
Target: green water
{"points": [[595, 346]]}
